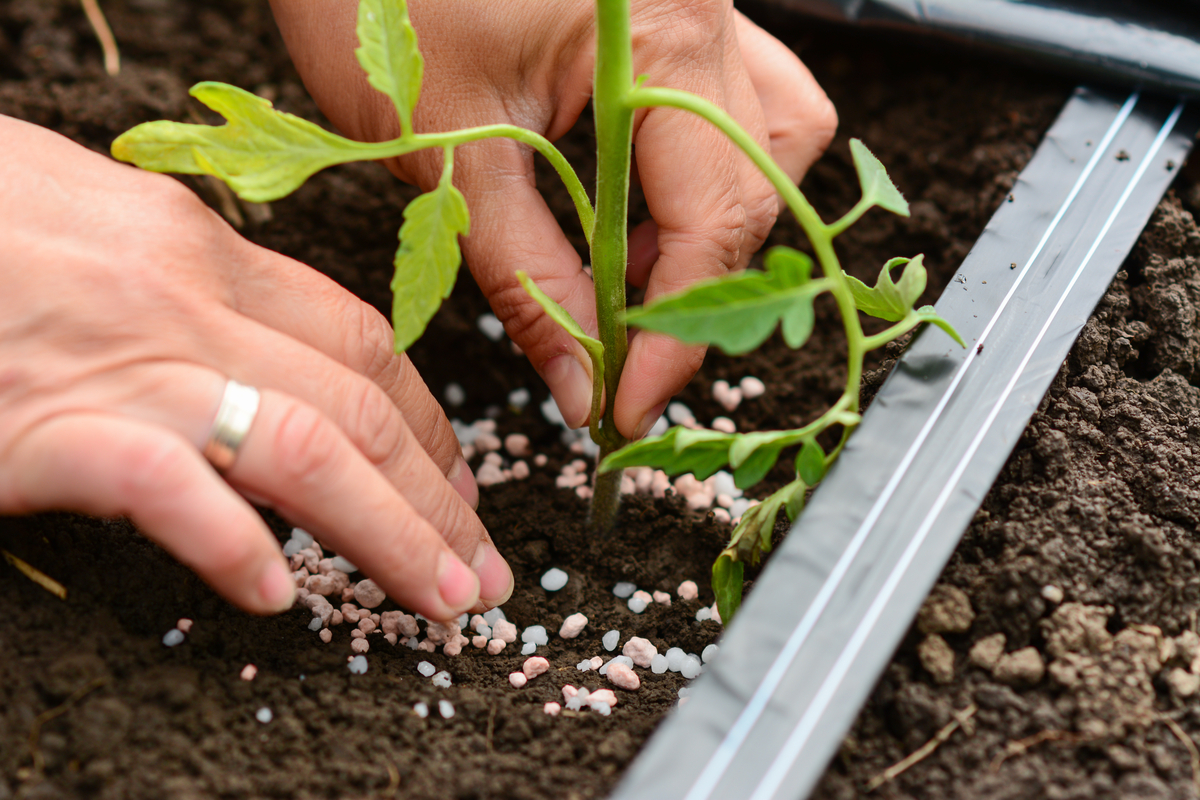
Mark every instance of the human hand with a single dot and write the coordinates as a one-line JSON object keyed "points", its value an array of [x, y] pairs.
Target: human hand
{"points": [[531, 64], [126, 304]]}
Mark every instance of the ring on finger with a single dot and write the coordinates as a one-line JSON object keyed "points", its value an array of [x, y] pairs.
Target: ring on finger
{"points": [[235, 415]]}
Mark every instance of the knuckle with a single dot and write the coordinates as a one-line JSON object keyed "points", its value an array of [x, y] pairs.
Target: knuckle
{"points": [[151, 469], [376, 428], [307, 447], [371, 346]]}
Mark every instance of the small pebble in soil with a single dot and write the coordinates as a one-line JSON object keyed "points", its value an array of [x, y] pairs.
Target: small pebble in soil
{"points": [[442, 680], [455, 395], [491, 327], [554, 579], [184, 624], [610, 639], [535, 666], [658, 664], [173, 637], [264, 715], [1050, 593], [688, 590], [358, 665], [446, 709], [552, 709], [421, 710], [623, 676], [248, 672], [752, 387], [517, 679], [709, 653], [518, 399], [572, 626], [426, 669], [640, 650]]}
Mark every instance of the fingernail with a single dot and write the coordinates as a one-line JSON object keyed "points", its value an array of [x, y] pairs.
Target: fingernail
{"points": [[648, 421], [463, 481], [495, 576], [457, 584], [276, 587], [571, 387]]}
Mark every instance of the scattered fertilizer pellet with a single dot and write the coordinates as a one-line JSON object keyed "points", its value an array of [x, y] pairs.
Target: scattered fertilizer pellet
{"points": [[504, 630], [583, 492], [729, 397], [491, 327], [602, 709], [605, 697], [569, 691], [640, 650], [489, 475], [714, 613], [752, 387], [722, 515], [358, 665], [264, 715], [662, 598], [535, 634], [368, 594], [585, 665], [442, 680], [626, 660], [359, 646], [343, 564], [446, 709], [624, 589], [492, 615], [495, 646], [184, 625], [675, 658], [704, 614], [680, 414], [325, 635], [528, 649], [518, 399], [517, 679], [552, 709], [540, 460], [173, 637], [639, 601], [520, 471], [597, 662], [455, 395], [517, 445], [623, 676], [535, 666], [572, 626], [426, 669], [391, 638], [1050, 593], [658, 664], [248, 672], [421, 710], [554, 579], [691, 667], [610, 639], [357, 634], [724, 425], [479, 641], [709, 653]]}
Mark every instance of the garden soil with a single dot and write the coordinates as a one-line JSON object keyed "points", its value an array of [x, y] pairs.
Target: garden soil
{"points": [[1091, 693]]}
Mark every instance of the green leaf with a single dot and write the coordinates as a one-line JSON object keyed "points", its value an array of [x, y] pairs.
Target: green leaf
{"points": [[388, 53], [678, 451], [737, 312], [594, 348], [263, 154], [928, 314], [877, 187], [428, 258], [810, 463], [888, 300], [795, 502], [727, 586], [753, 454]]}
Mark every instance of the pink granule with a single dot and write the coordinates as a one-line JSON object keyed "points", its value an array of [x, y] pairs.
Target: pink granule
{"points": [[552, 709], [184, 625], [534, 666], [326, 635], [505, 631], [623, 677], [495, 646], [517, 679], [368, 594], [572, 626], [640, 650], [603, 696], [688, 590], [359, 646], [248, 672]]}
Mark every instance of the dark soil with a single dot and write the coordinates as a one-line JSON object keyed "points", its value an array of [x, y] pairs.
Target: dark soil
{"points": [[1099, 500]]}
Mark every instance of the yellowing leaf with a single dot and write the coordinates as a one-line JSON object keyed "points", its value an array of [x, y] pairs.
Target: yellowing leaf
{"points": [[388, 52], [263, 154], [428, 259], [877, 187]]}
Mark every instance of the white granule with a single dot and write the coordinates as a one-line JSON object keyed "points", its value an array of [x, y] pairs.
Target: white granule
{"points": [[554, 579], [659, 427], [175, 636], [678, 413], [610, 639], [585, 665], [684, 691], [535, 634], [518, 398], [704, 614], [442, 680], [455, 395], [264, 715], [491, 327], [446, 709], [691, 666], [343, 564], [315, 624], [658, 664], [624, 589], [426, 669], [675, 659], [637, 604], [358, 665], [602, 709], [421, 710], [303, 537], [412, 643], [528, 649], [709, 653], [491, 616], [751, 387]]}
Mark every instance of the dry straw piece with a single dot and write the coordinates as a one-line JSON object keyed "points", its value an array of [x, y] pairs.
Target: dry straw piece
{"points": [[37, 576], [108, 42]]}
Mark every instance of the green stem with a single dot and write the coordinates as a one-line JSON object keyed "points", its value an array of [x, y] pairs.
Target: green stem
{"points": [[891, 334], [614, 140]]}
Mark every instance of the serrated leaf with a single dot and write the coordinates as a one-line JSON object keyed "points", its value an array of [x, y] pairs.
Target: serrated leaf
{"points": [[738, 312], [810, 463], [388, 53], [928, 314], [727, 577], [678, 451], [263, 154], [892, 301], [594, 348], [428, 259], [877, 187]]}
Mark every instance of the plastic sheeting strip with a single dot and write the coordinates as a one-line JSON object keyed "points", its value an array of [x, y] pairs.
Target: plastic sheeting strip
{"points": [[920, 454]]}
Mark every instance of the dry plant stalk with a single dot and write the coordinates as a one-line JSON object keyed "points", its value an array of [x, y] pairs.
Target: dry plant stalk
{"points": [[1019, 746], [924, 751], [36, 575], [1188, 743], [108, 42], [35, 730]]}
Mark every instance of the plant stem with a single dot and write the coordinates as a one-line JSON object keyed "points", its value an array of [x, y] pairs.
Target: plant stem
{"points": [[614, 138]]}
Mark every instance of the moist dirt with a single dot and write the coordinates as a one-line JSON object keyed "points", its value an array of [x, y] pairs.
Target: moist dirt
{"points": [[1098, 502]]}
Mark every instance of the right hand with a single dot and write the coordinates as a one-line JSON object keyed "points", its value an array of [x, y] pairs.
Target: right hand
{"points": [[126, 304]]}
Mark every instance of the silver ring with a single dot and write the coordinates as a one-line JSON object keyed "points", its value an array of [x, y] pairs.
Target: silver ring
{"points": [[235, 415]]}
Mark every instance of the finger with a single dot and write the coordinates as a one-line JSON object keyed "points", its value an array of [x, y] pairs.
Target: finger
{"points": [[297, 460], [800, 118], [311, 308], [115, 466], [367, 417], [512, 229]]}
